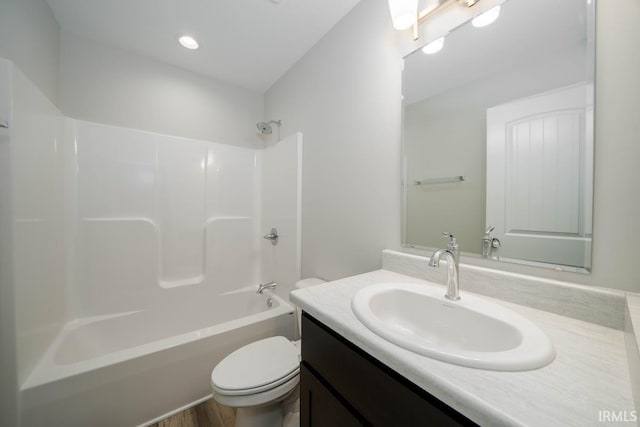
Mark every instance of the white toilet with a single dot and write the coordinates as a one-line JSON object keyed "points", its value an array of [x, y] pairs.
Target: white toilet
{"points": [[258, 377]]}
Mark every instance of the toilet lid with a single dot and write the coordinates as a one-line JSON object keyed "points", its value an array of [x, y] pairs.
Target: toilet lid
{"points": [[270, 361]]}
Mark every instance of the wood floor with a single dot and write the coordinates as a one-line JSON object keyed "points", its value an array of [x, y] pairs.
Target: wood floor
{"points": [[206, 414]]}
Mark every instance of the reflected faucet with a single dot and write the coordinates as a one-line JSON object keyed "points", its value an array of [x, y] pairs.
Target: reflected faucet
{"points": [[263, 286], [452, 253], [486, 242], [489, 243]]}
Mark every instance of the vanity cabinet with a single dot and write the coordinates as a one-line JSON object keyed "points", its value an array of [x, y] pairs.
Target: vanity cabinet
{"points": [[341, 385]]}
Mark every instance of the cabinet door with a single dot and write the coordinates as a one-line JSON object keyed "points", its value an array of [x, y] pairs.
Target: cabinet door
{"points": [[318, 405], [371, 391]]}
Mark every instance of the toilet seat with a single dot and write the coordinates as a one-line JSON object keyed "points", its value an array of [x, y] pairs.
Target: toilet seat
{"points": [[257, 367]]}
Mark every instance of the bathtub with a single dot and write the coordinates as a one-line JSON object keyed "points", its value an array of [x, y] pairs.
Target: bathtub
{"points": [[134, 368]]}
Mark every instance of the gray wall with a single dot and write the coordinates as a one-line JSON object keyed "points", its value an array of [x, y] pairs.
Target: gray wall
{"points": [[29, 36], [443, 144], [344, 95], [445, 135], [106, 85]]}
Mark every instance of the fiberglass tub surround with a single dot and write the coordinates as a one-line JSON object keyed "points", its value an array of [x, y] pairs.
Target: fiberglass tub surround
{"points": [[167, 222], [157, 215], [160, 259]]}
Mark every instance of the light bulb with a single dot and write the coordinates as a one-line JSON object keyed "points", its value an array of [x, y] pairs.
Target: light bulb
{"points": [[486, 18], [434, 47], [403, 12], [188, 42]]}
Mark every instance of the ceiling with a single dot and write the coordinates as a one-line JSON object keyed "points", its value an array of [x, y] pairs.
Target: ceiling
{"points": [[526, 30], [249, 43]]}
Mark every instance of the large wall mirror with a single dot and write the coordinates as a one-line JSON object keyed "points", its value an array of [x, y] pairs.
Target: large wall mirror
{"points": [[498, 137]]}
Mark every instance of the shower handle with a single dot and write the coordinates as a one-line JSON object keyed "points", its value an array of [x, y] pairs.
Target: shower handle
{"points": [[273, 236]]}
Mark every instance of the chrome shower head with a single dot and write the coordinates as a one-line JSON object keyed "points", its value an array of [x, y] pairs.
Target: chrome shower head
{"points": [[265, 128]]}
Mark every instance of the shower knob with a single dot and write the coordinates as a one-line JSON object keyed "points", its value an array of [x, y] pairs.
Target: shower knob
{"points": [[273, 236]]}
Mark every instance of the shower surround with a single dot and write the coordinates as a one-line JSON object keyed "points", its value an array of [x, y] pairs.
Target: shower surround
{"points": [[159, 218], [135, 260]]}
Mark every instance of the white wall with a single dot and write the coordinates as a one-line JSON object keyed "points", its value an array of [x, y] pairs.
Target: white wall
{"points": [[29, 36], [344, 95], [111, 86]]}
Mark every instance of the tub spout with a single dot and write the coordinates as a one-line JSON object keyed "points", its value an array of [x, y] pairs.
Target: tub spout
{"points": [[263, 286]]}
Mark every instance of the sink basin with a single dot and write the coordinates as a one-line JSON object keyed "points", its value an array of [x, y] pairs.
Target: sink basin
{"points": [[470, 332]]}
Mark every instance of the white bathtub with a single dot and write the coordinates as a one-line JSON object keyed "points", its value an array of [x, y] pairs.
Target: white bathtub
{"points": [[131, 368]]}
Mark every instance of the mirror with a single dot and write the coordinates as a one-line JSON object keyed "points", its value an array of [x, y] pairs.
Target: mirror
{"points": [[498, 137]]}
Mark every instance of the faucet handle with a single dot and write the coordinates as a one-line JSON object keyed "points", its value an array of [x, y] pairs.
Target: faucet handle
{"points": [[453, 244]]}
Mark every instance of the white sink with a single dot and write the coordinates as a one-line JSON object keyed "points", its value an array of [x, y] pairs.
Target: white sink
{"points": [[469, 332]]}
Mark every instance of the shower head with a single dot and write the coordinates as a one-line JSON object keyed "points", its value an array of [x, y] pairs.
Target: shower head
{"points": [[265, 128]]}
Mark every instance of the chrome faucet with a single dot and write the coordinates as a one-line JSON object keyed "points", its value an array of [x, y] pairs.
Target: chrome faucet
{"points": [[452, 253], [263, 286]]}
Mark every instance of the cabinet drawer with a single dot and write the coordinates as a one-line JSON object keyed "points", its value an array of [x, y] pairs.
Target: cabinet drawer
{"points": [[380, 395]]}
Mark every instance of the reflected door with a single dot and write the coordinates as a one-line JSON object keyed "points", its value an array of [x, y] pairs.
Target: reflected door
{"points": [[536, 167]]}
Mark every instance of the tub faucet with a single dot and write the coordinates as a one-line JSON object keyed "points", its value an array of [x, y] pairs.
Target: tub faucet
{"points": [[263, 286], [452, 253]]}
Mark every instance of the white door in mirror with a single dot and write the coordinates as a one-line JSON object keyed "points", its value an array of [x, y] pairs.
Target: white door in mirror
{"points": [[470, 332], [538, 178]]}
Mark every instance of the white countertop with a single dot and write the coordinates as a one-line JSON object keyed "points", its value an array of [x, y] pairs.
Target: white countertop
{"points": [[590, 372]]}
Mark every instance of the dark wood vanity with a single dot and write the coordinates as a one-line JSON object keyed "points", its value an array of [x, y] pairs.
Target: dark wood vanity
{"points": [[341, 385]]}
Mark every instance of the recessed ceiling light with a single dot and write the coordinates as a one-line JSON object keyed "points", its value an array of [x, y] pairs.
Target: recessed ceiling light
{"points": [[434, 46], [188, 42], [486, 18]]}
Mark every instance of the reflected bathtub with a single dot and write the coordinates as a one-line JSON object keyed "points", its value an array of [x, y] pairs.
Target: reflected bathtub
{"points": [[134, 368]]}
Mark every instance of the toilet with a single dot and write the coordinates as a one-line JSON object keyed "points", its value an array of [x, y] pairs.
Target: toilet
{"points": [[256, 379]]}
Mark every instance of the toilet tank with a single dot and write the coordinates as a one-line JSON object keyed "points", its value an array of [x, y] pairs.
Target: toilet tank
{"points": [[301, 284]]}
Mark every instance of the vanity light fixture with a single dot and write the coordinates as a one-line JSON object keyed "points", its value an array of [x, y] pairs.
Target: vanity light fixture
{"points": [[434, 47], [405, 13], [486, 18], [188, 42]]}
